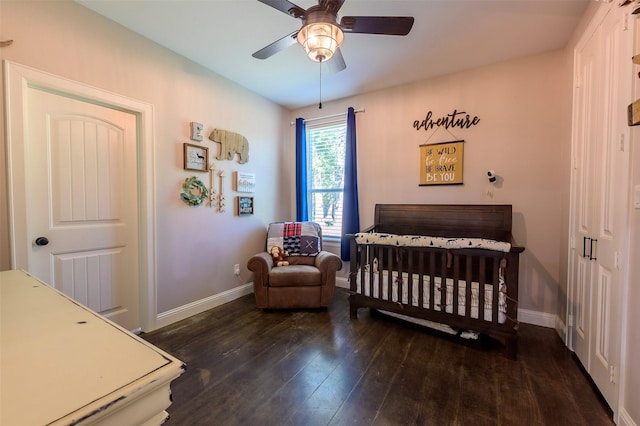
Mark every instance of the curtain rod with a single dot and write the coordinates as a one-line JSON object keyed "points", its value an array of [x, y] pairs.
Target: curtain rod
{"points": [[293, 123]]}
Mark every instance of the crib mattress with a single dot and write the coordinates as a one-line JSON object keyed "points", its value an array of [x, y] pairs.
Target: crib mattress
{"points": [[438, 304]]}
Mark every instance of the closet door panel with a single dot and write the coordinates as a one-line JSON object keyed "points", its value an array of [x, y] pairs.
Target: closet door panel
{"points": [[611, 162], [587, 135]]}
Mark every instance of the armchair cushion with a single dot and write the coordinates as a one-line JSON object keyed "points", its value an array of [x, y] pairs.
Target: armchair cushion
{"points": [[294, 275]]}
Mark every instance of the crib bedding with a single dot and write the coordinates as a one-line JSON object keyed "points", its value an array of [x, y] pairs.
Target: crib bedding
{"points": [[437, 304], [427, 241]]}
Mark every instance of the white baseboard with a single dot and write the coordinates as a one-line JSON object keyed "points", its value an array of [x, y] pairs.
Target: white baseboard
{"points": [[181, 312], [624, 418], [342, 282], [561, 329], [542, 319]]}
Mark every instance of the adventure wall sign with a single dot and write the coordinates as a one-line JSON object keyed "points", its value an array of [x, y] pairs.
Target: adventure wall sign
{"points": [[457, 118], [441, 163]]}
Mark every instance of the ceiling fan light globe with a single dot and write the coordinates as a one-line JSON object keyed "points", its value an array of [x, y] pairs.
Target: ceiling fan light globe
{"points": [[320, 40]]}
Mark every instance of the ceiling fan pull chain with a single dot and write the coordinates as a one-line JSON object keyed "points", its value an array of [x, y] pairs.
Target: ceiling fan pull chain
{"points": [[320, 104]]}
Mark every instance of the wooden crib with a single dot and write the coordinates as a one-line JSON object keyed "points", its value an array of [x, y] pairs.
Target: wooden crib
{"points": [[450, 267]]}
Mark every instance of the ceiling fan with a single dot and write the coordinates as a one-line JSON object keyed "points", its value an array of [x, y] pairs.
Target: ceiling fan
{"points": [[321, 35]]}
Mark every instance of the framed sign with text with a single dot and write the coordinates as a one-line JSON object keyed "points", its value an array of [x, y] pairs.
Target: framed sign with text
{"points": [[441, 163], [245, 182], [245, 206]]}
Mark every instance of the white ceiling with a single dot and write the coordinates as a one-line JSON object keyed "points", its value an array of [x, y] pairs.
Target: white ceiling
{"points": [[447, 36]]}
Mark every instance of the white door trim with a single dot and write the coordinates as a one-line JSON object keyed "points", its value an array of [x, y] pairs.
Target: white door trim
{"points": [[17, 79]]}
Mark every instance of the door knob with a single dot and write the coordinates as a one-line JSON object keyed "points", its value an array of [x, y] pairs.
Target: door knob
{"points": [[42, 241]]}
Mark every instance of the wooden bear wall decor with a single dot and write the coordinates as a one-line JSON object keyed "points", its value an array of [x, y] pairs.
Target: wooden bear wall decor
{"points": [[231, 144]]}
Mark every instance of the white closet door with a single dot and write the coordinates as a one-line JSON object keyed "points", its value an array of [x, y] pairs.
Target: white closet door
{"points": [[588, 113], [600, 199]]}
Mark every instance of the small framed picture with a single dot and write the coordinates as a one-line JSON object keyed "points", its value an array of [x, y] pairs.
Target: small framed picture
{"points": [[245, 182], [245, 206], [196, 157], [196, 131]]}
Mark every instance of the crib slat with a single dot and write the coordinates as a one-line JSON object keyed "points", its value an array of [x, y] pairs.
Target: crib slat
{"points": [[381, 258], [373, 255], [370, 263], [389, 273], [432, 268], [443, 281], [456, 283], [481, 286], [399, 278], [410, 278], [364, 260], [469, 280], [421, 278]]}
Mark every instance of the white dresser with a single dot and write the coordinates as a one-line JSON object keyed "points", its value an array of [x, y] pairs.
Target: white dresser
{"points": [[63, 364]]}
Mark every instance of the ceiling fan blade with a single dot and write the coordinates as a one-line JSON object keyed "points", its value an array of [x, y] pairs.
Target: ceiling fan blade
{"points": [[332, 5], [391, 25], [276, 46], [286, 7], [336, 63]]}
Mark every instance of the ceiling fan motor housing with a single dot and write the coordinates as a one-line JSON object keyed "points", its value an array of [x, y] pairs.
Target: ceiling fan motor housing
{"points": [[320, 35]]}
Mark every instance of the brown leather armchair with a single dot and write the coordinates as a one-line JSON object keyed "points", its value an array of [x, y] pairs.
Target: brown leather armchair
{"points": [[307, 282]]}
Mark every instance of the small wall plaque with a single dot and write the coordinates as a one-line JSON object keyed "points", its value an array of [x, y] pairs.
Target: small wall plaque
{"points": [[245, 206], [441, 163], [196, 131], [196, 157], [245, 182]]}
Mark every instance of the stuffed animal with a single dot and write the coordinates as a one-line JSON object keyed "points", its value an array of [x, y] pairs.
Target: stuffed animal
{"points": [[279, 256]]}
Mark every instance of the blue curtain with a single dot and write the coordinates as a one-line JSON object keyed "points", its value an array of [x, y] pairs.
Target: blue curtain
{"points": [[350, 212], [302, 204]]}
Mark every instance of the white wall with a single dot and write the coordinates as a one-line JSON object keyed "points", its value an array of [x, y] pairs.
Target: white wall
{"points": [[522, 106], [196, 247]]}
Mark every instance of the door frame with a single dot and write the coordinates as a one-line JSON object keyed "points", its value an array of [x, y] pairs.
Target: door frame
{"points": [[17, 80]]}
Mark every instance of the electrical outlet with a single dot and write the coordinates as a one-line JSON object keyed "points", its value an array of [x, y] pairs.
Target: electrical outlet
{"points": [[236, 269]]}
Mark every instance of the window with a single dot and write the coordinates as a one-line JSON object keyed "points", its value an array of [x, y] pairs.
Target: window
{"points": [[326, 147]]}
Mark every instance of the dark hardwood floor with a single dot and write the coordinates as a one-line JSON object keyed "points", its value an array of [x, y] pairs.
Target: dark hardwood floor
{"points": [[246, 366]]}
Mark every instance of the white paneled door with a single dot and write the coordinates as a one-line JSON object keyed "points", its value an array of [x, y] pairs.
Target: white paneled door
{"points": [[587, 130], [81, 202], [600, 199]]}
